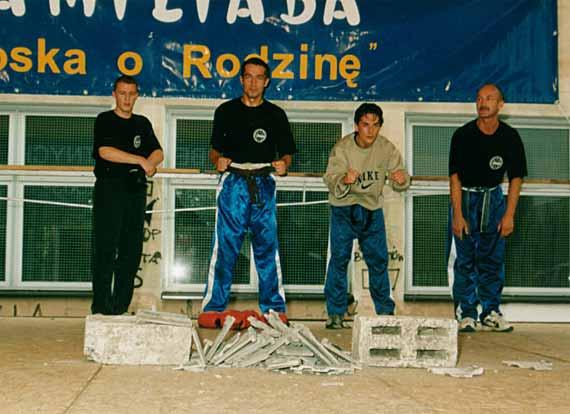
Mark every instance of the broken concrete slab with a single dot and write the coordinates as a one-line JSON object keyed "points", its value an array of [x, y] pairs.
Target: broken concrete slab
{"points": [[315, 346], [163, 318], [278, 363], [198, 346], [120, 340], [206, 347], [404, 341], [294, 350], [260, 342], [276, 322], [468, 372], [536, 365], [264, 353], [228, 322], [228, 345], [190, 367], [256, 323], [262, 345], [243, 342], [337, 352]]}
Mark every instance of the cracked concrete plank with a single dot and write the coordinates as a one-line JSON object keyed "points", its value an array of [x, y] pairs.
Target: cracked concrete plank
{"points": [[239, 345], [228, 322], [536, 365], [309, 335], [468, 372], [256, 323], [163, 318], [198, 345], [335, 351]]}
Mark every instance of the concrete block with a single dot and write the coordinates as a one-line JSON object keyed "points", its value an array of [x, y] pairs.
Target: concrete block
{"points": [[403, 341], [120, 340]]}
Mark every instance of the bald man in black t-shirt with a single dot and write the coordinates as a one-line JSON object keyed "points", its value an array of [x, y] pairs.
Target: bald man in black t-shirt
{"points": [[482, 152]]}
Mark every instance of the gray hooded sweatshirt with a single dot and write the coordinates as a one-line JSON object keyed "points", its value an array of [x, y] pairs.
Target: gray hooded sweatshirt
{"points": [[374, 164]]}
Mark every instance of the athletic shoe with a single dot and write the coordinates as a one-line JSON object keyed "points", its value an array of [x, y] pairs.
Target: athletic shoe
{"points": [[334, 322], [467, 325], [496, 322]]}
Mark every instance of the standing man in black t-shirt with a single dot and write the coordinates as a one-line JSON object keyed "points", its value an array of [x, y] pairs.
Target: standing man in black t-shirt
{"points": [[251, 137], [482, 152], [126, 151]]}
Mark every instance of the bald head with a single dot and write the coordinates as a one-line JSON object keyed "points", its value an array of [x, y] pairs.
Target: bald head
{"points": [[494, 86], [490, 101]]}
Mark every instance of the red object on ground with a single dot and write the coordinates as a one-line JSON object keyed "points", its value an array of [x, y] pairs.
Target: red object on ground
{"points": [[215, 320], [210, 320]]}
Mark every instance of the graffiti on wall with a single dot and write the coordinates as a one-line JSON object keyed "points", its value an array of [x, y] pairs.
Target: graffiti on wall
{"points": [[395, 258], [151, 233]]}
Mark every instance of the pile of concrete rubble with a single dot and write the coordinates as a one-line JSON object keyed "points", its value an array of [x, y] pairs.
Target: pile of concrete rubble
{"points": [[273, 346]]}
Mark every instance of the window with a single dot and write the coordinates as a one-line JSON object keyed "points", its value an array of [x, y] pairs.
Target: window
{"points": [[59, 140], [48, 235], [57, 238]]}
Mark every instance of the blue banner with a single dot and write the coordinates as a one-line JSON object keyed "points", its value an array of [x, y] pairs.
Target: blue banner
{"points": [[324, 50]]}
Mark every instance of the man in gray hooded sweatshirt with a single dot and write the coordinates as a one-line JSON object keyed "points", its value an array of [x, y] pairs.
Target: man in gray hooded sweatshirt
{"points": [[358, 167]]}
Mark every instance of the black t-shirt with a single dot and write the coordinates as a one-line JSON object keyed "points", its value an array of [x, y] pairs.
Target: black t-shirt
{"points": [[482, 160], [134, 135], [251, 134]]}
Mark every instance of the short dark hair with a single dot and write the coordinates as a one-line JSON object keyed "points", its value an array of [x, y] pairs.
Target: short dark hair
{"points": [[125, 79], [258, 62], [368, 108], [494, 85]]}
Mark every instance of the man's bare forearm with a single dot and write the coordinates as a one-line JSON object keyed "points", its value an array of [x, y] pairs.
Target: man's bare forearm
{"points": [[513, 196], [455, 192], [156, 157], [113, 154]]}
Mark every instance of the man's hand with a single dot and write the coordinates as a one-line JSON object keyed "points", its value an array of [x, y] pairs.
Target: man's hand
{"points": [[148, 167], [460, 226], [399, 177], [223, 163], [351, 176], [506, 225], [280, 167]]}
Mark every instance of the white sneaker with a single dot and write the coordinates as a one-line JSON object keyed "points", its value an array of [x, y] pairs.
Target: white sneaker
{"points": [[496, 322], [467, 325]]}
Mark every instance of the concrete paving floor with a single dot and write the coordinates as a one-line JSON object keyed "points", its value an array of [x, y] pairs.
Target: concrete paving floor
{"points": [[42, 370]]}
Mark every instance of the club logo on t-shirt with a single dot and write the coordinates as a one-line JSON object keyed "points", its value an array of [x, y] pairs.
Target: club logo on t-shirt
{"points": [[137, 141], [259, 135], [496, 162]]}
